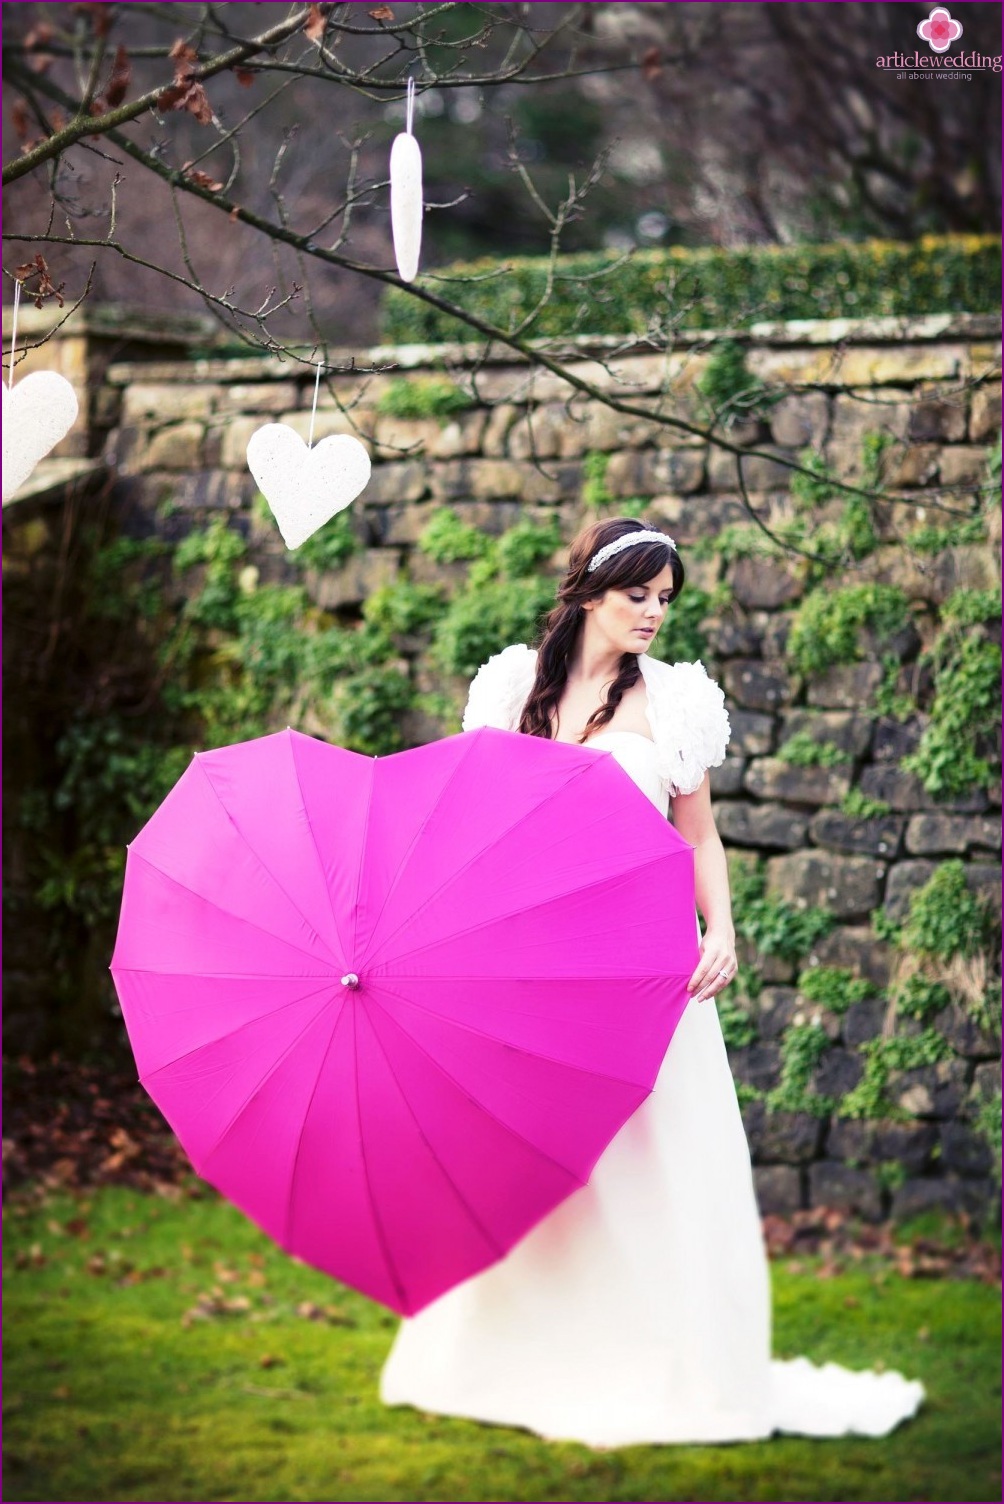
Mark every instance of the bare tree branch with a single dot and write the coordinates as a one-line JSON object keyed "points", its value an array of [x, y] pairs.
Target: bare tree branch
{"points": [[84, 124]]}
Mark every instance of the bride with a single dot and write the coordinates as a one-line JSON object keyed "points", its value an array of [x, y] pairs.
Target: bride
{"points": [[639, 1310]]}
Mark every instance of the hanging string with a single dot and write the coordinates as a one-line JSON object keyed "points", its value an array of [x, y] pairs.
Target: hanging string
{"points": [[313, 410], [13, 335], [409, 108]]}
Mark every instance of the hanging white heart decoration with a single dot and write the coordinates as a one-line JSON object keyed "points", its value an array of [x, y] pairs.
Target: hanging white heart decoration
{"points": [[37, 413], [406, 203], [306, 487]]}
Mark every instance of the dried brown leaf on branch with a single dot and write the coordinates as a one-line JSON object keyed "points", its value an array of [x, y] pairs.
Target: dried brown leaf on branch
{"points": [[200, 178], [38, 37], [245, 77], [119, 78], [186, 93], [99, 15], [184, 57], [19, 120], [35, 43], [190, 96], [46, 288], [313, 28], [651, 64], [382, 13]]}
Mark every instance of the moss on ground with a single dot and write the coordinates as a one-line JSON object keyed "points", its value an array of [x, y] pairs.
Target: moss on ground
{"points": [[162, 1348]]}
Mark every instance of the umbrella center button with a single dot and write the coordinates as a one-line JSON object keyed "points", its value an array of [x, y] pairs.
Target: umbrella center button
{"points": [[350, 980]]}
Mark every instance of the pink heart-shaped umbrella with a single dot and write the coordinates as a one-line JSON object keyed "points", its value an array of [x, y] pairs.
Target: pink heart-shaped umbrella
{"points": [[396, 1008]]}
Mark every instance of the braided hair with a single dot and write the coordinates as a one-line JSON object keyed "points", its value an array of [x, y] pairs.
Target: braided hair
{"points": [[632, 566]]}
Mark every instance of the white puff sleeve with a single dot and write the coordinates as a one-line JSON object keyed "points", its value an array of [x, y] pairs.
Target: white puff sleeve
{"points": [[690, 724], [499, 689]]}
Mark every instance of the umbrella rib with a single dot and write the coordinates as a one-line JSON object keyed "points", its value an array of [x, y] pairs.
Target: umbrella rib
{"points": [[264, 867], [506, 1127], [567, 1065], [237, 1029], [137, 856], [447, 1177], [381, 1231], [235, 976], [259, 1084], [317, 849], [472, 976], [458, 872], [287, 1234], [599, 882], [362, 858], [467, 750]]}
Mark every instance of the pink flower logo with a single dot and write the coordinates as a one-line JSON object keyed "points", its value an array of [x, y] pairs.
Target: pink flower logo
{"points": [[940, 29]]}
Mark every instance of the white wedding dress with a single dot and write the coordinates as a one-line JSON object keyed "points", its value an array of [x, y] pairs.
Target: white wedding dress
{"points": [[639, 1310]]}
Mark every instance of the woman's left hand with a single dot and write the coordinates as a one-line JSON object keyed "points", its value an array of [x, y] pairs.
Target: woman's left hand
{"points": [[717, 966]]}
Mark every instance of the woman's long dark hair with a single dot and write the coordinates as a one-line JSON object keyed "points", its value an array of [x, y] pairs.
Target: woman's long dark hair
{"points": [[632, 566]]}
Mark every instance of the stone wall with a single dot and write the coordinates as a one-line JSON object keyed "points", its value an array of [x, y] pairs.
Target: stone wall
{"points": [[178, 429]]}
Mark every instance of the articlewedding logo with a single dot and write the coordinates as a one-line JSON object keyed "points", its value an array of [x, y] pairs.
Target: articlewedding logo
{"points": [[940, 29]]}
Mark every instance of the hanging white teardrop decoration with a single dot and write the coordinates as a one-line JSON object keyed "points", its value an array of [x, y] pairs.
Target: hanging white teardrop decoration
{"points": [[37, 413], [406, 206]]}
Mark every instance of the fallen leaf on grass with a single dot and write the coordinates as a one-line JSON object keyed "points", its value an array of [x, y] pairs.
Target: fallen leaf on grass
{"points": [[270, 1360], [778, 1234], [333, 1315], [215, 1303], [274, 1394]]}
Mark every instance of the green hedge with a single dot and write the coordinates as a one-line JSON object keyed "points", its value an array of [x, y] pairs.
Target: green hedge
{"points": [[597, 293]]}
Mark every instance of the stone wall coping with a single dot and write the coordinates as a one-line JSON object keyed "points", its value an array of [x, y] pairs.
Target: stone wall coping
{"points": [[111, 321], [52, 477]]}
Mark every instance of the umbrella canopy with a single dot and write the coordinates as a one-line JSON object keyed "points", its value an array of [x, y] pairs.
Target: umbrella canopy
{"points": [[396, 1008]]}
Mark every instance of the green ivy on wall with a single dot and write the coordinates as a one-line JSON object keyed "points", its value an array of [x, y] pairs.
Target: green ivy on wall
{"points": [[828, 626], [958, 750], [504, 594]]}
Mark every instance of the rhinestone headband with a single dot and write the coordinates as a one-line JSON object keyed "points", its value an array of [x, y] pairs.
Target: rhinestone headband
{"points": [[628, 540]]}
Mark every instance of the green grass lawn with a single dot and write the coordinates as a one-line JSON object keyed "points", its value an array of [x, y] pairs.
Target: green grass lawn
{"points": [[161, 1348]]}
